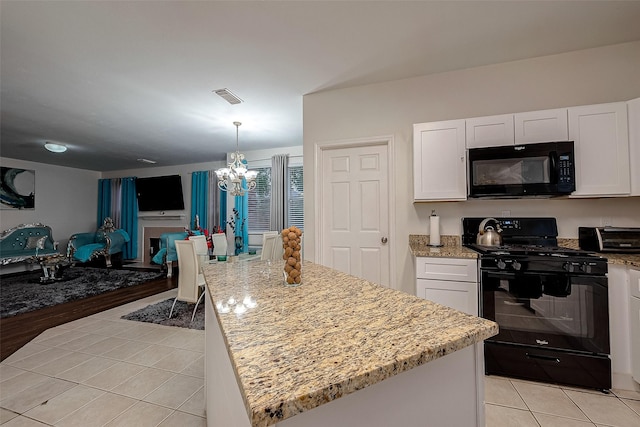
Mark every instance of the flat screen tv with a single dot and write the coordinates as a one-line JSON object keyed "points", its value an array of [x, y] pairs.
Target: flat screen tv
{"points": [[160, 193]]}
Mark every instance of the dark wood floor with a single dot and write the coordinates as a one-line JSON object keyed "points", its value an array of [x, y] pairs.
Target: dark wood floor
{"points": [[18, 330]]}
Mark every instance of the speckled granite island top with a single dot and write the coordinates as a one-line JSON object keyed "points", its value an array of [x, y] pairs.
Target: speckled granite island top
{"points": [[299, 348]]}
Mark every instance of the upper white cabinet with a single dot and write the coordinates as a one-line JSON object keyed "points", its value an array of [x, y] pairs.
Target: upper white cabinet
{"points": [[490, 131], [541, 126], [601, 141], [439, 161], [633, 110]]}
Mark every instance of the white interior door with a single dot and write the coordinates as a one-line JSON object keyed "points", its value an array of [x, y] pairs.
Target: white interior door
{"points": [[355, 211]]}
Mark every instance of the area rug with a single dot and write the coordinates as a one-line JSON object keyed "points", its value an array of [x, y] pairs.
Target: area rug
{"points": [[24, 293], [159, 313]]}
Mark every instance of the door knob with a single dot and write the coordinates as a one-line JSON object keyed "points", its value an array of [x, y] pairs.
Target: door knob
{"points": [[383, 240]]}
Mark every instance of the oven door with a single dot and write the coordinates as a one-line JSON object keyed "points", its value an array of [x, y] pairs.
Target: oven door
{"points": [[558, 311]]}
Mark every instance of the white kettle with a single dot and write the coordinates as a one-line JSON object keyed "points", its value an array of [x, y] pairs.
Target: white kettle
{"points": [[487, 235]]}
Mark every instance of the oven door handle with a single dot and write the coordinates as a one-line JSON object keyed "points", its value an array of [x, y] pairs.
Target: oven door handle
{"points": [[542, 357]]}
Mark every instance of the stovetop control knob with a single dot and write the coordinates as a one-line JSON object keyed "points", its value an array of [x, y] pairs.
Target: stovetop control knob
{"points": [[516, 265], [585, 267], [501, 264], [571, 266]]}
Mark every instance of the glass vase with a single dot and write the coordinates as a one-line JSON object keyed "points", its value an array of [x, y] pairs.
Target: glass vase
{"points": [[292, 245]]}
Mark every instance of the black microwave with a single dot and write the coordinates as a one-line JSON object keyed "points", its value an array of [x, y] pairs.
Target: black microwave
{"points": [[530, 170]]}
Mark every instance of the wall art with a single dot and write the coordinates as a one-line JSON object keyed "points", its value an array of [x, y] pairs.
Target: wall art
{"points": [[17, 188]]}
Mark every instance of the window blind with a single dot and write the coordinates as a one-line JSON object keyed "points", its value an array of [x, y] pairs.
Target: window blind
{"points": [[295, 204], [259, 200]]}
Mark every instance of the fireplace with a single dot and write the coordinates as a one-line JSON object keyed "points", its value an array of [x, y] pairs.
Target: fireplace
{"points": [[151, 240], [154, 246]]}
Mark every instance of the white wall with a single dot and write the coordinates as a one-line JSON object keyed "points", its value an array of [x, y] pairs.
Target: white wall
{"points": [[66, 200], [185, 172], [256, 158], [590, 76]]}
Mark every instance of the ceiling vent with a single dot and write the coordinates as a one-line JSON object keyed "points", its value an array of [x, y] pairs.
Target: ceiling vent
{"points": [[151, 162], [228, 96]]}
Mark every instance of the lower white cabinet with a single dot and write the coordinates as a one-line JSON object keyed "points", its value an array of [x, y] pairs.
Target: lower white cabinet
{"points": [[633, 110], [634, 320], [448, 281], [624, 326]]}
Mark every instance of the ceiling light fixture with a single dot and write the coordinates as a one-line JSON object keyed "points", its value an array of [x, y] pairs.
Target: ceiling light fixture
{"points": [[228, 96], [55, 148], [230, 178]]}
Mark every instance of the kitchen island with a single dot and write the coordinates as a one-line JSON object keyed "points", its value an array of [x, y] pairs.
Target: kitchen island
{"points": [[336, 350]]}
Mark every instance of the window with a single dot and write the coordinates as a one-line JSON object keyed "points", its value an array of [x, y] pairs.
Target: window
{"points": [[295, 204], [259, 200], [259, 219]]}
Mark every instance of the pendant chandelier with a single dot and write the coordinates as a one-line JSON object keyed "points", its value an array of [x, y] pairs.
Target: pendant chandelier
{"points": [[230, 178]]}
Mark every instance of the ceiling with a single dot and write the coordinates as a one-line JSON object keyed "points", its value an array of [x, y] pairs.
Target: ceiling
{"points": [[117, 81]]}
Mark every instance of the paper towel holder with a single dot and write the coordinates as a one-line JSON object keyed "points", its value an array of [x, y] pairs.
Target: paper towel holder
{"points": [[437, 221]]}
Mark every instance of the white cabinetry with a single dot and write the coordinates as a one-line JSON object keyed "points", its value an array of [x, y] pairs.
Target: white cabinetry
{"points": [[448, 281], [541, 126], [633, 110], [634, 320], [490, 131], [624, 326], [439, 161], [601, 141]]}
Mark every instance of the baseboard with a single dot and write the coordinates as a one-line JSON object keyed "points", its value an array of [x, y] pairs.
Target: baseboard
{"points": [[624, 382]]}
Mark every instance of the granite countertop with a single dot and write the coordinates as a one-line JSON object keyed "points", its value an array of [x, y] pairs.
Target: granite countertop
{"points": [[632, 260], [452, 248], [418, 244], [301, 347]]}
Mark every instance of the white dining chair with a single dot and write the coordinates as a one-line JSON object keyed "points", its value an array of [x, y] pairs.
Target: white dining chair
{"points": [[219, 241], [278, 250], [190, 280], [202, 250], [269, 240]]}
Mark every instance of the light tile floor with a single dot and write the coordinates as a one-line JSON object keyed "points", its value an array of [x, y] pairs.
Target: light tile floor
{"points": [[516, 403], [105, 371]]}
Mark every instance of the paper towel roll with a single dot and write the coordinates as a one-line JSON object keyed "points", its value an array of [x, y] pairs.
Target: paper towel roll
{"points": [[434, 230]]}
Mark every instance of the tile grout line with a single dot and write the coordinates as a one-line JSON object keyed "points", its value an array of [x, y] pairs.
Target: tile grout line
{"points": [[82, 330]]}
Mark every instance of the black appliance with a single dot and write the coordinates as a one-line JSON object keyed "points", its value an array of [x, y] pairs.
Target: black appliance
{"points": [[540, 170], [551, 305], [610, 239]]}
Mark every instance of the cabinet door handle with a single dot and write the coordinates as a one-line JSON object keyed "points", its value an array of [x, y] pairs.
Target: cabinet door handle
{"points": [[383, 240]]}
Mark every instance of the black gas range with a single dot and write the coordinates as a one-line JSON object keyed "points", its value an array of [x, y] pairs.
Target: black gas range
{"points": [[550, 302]]}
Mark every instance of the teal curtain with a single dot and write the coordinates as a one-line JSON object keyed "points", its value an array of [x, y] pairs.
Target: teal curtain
{"points": [[242, 229], [223, 210], [129, 217], [200, 198], [104, 200]]}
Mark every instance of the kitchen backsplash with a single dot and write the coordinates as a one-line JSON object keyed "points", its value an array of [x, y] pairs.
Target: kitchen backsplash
{"points": [[570, 213]]}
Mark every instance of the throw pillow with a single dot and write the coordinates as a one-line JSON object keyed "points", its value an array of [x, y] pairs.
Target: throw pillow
{"points": [[36, 242]]}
